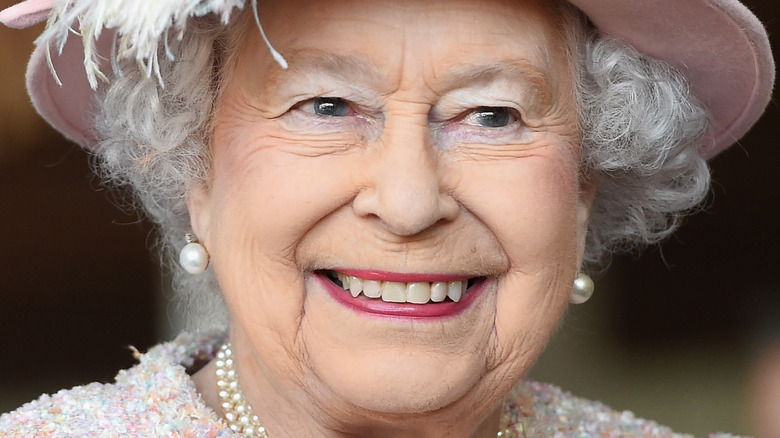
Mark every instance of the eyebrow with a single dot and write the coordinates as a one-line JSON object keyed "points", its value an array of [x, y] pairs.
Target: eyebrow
{"points": [[353, 69], [342, 67], [514, 70]]}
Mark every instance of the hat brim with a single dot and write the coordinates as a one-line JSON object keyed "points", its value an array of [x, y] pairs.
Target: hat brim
{"points": [[718, 45]]}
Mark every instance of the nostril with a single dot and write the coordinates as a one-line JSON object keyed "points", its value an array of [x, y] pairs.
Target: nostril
{"points": [[448, 206], [404, 190], [406, 214]]}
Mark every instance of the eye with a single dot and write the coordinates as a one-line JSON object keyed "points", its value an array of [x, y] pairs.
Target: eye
{"points": [[328, 106], [491, 117]]}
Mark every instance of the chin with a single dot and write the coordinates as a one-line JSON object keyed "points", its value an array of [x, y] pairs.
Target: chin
{"points": [[397, 365], [413, 384]]}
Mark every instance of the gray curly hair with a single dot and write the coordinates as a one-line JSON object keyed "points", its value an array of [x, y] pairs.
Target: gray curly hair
{"points": [[640, 130]]}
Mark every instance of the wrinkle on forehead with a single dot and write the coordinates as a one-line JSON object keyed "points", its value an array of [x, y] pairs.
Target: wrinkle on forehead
{"points": [[355, 69], [539, 62], [346, 68]]}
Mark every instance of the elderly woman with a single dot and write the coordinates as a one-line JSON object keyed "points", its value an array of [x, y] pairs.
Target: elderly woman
{"points": [[384, 206]]}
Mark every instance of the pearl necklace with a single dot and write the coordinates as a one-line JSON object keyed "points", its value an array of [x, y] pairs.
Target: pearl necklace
{"points": [[238, 413], [241, 420]]}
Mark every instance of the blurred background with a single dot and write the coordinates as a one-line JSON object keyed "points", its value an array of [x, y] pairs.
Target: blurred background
{"points": [[687, 334]]}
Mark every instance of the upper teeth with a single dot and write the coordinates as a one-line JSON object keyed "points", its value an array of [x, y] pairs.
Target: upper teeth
{"points": [[398, 292]]}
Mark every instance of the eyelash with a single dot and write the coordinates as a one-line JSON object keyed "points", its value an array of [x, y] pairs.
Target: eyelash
{"points": [[512, 116], [447, 130], [510, 113], [325, 100]]}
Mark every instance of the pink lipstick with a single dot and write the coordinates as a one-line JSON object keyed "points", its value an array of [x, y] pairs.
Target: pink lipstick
{"points": [[404, 310]]}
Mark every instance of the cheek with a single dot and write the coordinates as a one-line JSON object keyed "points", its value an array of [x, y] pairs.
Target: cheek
{"points": [[279, 184], [530, 204], [264, 198]]}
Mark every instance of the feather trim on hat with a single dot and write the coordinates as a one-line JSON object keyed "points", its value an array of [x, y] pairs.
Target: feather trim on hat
{"points": [[140, 26]]}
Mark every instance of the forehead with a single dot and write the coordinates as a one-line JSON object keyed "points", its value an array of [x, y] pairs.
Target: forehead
{"points": [[430, 39]]}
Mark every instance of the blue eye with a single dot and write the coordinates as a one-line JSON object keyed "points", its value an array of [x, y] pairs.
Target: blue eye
{"points": [[490, 117], [330, 106]]}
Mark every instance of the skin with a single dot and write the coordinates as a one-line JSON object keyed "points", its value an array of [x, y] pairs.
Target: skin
{"points": [[407, 181]]}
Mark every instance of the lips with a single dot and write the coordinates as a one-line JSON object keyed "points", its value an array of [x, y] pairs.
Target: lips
{"points": [[387, 294]]}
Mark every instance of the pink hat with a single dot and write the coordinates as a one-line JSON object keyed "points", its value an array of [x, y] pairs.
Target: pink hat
{"points": [[719, 45]]}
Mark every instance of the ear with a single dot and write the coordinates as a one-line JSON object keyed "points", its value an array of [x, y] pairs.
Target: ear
{"points": [[198, 205], [588, 187]]}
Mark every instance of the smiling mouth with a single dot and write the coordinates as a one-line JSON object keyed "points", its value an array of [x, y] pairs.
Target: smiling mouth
{"points": [[414, 292]]}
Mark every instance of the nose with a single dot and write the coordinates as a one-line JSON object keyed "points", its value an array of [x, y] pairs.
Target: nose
{"points": [[406, 190]]}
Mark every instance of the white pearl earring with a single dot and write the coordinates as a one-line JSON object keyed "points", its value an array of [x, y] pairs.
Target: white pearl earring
{"points": [[582, 290], [193, 257]]}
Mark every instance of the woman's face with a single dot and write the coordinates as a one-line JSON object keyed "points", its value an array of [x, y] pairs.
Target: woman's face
{"points": [[413, 148]]}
